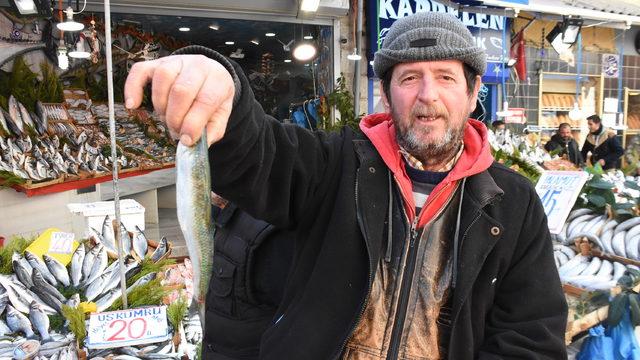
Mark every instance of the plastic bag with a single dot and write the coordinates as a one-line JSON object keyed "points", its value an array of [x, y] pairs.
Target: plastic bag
{"points": [[597, 346], [625, 345]]}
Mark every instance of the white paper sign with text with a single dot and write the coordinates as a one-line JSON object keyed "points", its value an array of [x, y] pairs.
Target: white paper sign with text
{"points": [[558, 191], [128, 327]]}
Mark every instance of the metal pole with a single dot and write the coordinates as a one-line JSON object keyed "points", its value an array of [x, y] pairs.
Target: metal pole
{"points": [[356, 77], [114, 153]]}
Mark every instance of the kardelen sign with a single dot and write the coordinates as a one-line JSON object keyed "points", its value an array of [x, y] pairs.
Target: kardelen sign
{"points": [[487, 29]]}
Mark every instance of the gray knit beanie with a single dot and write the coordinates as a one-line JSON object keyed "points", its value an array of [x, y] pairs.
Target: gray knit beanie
{"points": [[428, 36]]}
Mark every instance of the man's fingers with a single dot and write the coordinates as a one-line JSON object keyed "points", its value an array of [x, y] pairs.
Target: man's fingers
{"points": [[163, 78], [139, 76], [182, 97]]}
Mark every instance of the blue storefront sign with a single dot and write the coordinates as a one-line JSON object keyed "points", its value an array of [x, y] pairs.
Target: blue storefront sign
{"points": [[488, 30]]}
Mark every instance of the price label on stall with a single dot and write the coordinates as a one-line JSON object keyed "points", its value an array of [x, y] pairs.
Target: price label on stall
{"points": [[128, 327], [558, 191]]}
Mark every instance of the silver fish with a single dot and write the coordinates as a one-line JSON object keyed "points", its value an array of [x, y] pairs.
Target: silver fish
{"points": [[193, 204], [76, 265], [95, 288], [4, 329], [159, 252], [18, 322], [19, 296], [11, 126], [99, 264], [38, 123], [143, 280], [14, 115], [16, 256], [40, 284], [107, 299], [22, 273], [139, 243], [89, 259], [108, 235], [57, 269], [3, 125], [4, 299], [74, 300], [36, 263], [26, 118], [40, 321], [126, 239], [42, 114], [131, 268]]}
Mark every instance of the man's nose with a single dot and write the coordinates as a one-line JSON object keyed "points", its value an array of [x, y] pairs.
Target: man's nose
{"points": [[429, 91]]}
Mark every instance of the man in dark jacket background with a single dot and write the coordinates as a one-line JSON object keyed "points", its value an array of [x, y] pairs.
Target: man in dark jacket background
{"points": [[563, 144], [603, 145], [411, 242]]}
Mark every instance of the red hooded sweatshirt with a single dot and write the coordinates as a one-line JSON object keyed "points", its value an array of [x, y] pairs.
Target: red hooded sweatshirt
{"points": [[476, 157]]}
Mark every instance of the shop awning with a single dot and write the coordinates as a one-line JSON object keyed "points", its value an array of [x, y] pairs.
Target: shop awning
{"points": [[623, 11]]}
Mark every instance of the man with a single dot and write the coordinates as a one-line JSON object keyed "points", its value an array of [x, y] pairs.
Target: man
{"points": [[411, 243], [602, 143], [498, 125], [563, 144]]}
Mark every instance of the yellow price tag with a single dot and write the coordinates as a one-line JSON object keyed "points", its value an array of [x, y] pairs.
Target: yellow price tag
{"points": [[55, 243]]}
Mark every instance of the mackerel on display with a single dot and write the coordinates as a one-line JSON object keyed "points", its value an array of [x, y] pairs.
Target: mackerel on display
{"points": [[193, 204]]}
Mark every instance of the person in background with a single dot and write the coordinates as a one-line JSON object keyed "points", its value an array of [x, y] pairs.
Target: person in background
{"points": [[411, 242], [563, 144], [498, 125], [602, 143]]}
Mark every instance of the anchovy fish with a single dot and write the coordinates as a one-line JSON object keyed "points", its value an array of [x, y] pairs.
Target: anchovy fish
{"points": [[58, 270], [40, 321], [76, 265], [18, 322], [193, 200]]}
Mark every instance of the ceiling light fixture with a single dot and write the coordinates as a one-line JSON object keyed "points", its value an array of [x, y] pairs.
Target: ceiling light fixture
{"points": [[304, 51], [270, 34], [229, 42], [184, 29], [354, 56], [564, 34], [63, 60], [255, 41], [287, 60], [308, 37], [24, 7], [80, 51], [69, 24], [214, 27], [309, 5]]}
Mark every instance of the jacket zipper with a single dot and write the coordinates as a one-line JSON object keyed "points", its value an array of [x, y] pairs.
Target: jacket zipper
{"points": [[369, 280], [407, 278]]}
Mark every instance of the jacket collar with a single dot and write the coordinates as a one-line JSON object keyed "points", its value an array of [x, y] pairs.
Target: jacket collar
{"points": [[476, 157]]}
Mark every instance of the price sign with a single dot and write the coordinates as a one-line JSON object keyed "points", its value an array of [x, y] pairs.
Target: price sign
{"points": [[128, 327], [558, 191], [61, 242]]}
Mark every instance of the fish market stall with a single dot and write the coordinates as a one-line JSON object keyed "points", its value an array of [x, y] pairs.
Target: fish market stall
{"points": [[65, 295]]}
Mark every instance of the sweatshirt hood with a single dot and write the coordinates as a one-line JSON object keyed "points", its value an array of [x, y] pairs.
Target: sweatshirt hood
{"points": [[476, 156]]}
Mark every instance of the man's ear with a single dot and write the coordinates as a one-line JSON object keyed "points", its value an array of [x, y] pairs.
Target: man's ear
{"points": [[385, 100], [474, 95]]}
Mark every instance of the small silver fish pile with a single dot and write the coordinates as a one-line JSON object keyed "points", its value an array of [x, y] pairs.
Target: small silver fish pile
{"points": [[193, 192], [33, 148]]}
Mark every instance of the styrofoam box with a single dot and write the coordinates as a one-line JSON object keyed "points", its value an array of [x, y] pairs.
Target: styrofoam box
{"points": [[93, 215]]}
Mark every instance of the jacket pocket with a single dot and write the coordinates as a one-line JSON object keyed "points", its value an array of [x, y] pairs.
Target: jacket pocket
{"points": [[221, 286]]}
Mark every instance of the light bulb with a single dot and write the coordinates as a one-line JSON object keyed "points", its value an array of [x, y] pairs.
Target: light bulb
{"points": [[575, 113], [354, 56], [63, 60], [69, 24], [304, 52]]}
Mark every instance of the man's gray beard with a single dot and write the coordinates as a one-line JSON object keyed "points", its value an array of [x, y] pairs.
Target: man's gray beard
{"points": [[433, 153]]}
